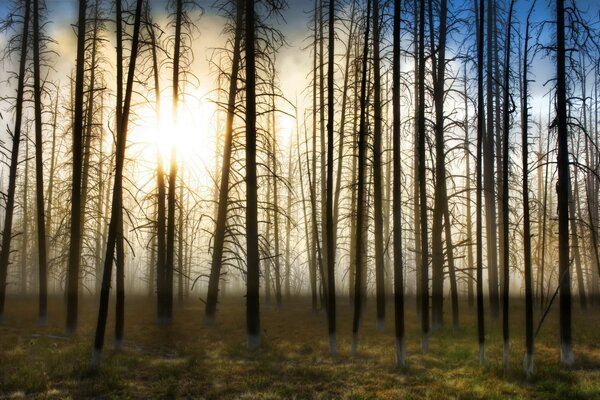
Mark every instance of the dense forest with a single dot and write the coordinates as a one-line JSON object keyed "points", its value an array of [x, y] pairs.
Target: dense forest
{"points": [[427, 168]]}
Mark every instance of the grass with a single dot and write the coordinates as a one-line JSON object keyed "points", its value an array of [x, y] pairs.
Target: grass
{"points": [[189, 360]]}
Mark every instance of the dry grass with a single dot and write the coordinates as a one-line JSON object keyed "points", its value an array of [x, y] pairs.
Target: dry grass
{"points": [[188, 360]]}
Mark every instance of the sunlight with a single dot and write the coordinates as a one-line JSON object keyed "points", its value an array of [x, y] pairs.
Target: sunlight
{"points": [[191, 134]]}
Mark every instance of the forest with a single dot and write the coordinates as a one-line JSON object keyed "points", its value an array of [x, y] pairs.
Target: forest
{"points": [[353, 199]]}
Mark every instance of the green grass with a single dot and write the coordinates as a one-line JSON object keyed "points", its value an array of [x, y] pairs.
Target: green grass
{"points": [[189, 360]]}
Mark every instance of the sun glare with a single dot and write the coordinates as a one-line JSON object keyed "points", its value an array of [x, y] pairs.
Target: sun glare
{"points": [[191, 133]]}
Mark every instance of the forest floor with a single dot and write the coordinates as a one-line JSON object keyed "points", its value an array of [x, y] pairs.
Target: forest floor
{"points": [[189, 360]]}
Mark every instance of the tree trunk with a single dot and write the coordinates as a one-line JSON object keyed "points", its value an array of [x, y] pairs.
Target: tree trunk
{"points": [[39, 171], [330, 259], [73, 268], [377, 178], [422, 184], [528, 362], [360, 202], [253, 261], [567, 357], [505, 194], [219, 240], [397, 189], [480, 138], [115, 228]]}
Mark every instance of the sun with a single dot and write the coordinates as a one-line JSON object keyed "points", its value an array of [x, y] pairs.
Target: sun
{"points": [[191, 132]]}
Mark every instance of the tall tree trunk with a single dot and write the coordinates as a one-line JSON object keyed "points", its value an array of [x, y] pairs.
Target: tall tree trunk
{"points": [[160, 185], [480, 138], [115, 227], [566, 347], [39, 171], [342, 131], [416, 204], [377, 184], [424, 267], [73, 268], [219, 240], [331, 307], [360, 201], [253, 261], [504, 192], [397, 189], [14, 161], [171, 201], [488, 176], [528, 361]]}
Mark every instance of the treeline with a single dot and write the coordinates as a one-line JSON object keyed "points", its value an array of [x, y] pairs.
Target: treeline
{"points": [[414, 166]]}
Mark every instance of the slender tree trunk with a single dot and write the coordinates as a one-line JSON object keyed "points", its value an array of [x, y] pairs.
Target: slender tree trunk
{"points": [[567, 357], [377, 178], [480, 138], [171, 201], [12, 177], [528, 361], [217, 254], [331, 306], [342, 131], [73, 268], [505, 194], [160, 185], [422, 184], [116, 218], [360, 214], [488, 176], [397, 189], [253, 263], [39, 171]]}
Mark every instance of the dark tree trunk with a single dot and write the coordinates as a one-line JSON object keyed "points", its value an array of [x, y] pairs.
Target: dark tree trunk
{"points": [[39, 171], [360, 202], [505, 194], [566, 346], [253, 262], [397, 193], [331, 318], [479, 204], [73, 268], [115, 227], [217, 254], [528, 362], [424, 267], [488, 176], [377, 176]]}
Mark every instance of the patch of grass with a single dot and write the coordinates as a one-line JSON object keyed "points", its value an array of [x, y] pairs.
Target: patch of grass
{"points": [[188, 360]]}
